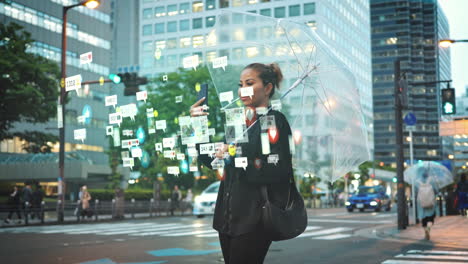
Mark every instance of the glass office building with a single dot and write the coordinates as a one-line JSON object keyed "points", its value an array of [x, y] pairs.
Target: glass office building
{"points": [[409, 30]]}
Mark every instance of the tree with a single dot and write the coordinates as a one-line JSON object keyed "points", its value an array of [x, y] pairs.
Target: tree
{"points": [[29, 88]]}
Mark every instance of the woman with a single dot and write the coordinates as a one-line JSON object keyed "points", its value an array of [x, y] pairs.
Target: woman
{"points": [[426, 204], [85, 198], [14, 205], [238, 206]]}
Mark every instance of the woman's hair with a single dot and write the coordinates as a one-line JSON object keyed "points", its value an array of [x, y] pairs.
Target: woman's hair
{"points": [[269, 73]]}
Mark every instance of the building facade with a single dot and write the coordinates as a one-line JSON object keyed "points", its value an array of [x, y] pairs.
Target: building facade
{"points": [[409, 30], [88, 31]]}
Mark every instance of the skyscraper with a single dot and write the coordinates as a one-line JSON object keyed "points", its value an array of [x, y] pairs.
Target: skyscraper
{"points": [[409, 30]]}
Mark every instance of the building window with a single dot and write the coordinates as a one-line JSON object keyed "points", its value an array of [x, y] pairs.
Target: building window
{"points": [[210, 56], [223, 3], [172, 60], [184, 25], [252, 33], [184, 8], [147, 13], [147, 62], [160, 11], [252, 52], [210, 21], [159, 28], [236, 3], [185, 42], [197, 41], [238, 53], [172, 10], [147, 30], [280, 12], [309, 9], [265, 12], [294, 10], [210, 4], [160, 44], [197, 6], [172, 43], [172, 26], [197, 23], [312, 24], [147, 45]]}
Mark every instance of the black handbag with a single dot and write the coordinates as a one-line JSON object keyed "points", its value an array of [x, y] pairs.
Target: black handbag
{"points": [[287, 223]]}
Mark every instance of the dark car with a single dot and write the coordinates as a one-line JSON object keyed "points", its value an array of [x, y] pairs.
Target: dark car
{"points": [[369, 197]]}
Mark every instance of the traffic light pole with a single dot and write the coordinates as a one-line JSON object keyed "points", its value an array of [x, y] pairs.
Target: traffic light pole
{"points": [[401, 202]]}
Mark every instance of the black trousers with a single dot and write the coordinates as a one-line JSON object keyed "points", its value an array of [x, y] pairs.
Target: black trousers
{"points": [[250, 248], [427, 219], [14, 209]]}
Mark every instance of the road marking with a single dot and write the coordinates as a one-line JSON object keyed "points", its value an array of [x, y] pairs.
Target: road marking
{"points": [[109, 228], [333, 237], [351, 221], [136, 230], [191, 233], [92, 228], [168, 230], [332, 214], [325, 232], [419, 256], [416, 262], [209, 235], [439, 252], [385, 215]]}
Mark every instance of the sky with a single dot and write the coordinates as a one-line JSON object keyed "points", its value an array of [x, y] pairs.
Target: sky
{"points": [[457, 12]]}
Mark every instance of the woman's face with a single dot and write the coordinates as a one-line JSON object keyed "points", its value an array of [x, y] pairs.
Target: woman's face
{"points": [[261, 93]]}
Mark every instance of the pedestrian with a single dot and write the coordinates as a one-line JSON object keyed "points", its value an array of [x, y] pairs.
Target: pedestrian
{"points": [[37, 197], [189, 199], [85, 198], [462, 194], [14, 205], [426, 204], [238, 208], [175, 199], [27, 199], [119, 203]]}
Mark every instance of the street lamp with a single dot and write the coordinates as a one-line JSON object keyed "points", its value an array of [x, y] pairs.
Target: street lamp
{"points": [[90, 4], [446, 43]]}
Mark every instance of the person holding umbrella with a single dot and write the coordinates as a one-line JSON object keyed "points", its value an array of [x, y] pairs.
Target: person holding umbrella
{"points": [[426, 204], [237, 215]]}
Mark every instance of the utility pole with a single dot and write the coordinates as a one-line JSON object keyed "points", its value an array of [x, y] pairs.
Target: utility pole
{"points": [[399, 148]]}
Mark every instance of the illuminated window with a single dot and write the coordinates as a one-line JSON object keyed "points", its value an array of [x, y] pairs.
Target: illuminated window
{"points": [[159, 28], [266, 32], [280, 12], [294, 10], [239, 34], [147, 30], [265, 12], [391, 41], [223, 3], [172, 26], [184, 8], [236, 3], [185, 42], [309, 9], [172, 10], [252, 52], [312, 24], [197, 6], [210, 4], [160, 11], [210, 21], [184, 25], [197, 23], [197, 41], [210, 55], [160, 44]]}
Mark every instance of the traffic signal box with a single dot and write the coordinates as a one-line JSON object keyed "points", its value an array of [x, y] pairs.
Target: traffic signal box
{"points": [[448, 101], [131, 81]]}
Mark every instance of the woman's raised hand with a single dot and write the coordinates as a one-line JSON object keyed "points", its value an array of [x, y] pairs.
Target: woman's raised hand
{"points": [[199, 110]]}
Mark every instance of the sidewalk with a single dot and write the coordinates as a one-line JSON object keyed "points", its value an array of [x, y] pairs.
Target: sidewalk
{"points": [[448, 231]]}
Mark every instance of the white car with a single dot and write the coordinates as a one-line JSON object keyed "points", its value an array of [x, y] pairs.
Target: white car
{"points": [[205, 202]]}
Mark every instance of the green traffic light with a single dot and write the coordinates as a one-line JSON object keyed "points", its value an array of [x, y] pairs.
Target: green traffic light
{"points": [[448, 108], [115, 78], [394, 179]]}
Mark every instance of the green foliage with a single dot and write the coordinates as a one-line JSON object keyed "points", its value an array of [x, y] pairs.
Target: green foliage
{"points": [[29, 86], [137, 194]]}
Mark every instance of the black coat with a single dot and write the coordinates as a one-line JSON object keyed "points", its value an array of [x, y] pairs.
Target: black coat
{"points": [[239, 202]]}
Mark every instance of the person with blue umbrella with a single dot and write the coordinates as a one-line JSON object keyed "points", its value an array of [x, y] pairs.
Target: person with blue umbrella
{"points": [[426, 203]]}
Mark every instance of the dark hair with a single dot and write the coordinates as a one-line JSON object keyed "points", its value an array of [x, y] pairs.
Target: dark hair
{"points": [[269, 73]]}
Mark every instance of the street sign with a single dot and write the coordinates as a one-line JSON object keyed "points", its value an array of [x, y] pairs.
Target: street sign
{"points": [[410, 119]]}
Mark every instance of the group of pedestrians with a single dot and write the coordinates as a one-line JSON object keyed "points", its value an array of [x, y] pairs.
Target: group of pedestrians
{"points": [[24, 202], [176, 199]]}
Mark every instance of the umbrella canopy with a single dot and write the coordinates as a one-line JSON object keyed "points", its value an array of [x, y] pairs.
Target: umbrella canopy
{"points": [[428, 171], [319, 95]]}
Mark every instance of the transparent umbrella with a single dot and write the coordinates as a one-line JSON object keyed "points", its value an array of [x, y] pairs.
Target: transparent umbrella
{"points": [[319, 95], [439, 175]]}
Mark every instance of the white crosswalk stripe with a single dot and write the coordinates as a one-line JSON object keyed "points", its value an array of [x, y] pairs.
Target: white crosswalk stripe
{"points": [[167, 230], [429, 257]]}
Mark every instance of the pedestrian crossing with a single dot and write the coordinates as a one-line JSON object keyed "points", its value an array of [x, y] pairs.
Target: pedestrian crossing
{"points": [[429, 257], [194, 229]]}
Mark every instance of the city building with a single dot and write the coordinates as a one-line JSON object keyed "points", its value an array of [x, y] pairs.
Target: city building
{"points": [[409, 30], [88, 31]]}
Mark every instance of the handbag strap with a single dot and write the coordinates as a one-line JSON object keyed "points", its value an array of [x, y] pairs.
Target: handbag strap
{"points": [[264, 191]]}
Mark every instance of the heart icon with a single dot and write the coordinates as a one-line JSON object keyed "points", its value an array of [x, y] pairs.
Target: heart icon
{"points": [[297, 137], [250, 116], [273, 135]]}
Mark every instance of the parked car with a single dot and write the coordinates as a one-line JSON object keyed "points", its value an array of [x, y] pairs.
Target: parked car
{"points": [[205, 202], [369, 197]]}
